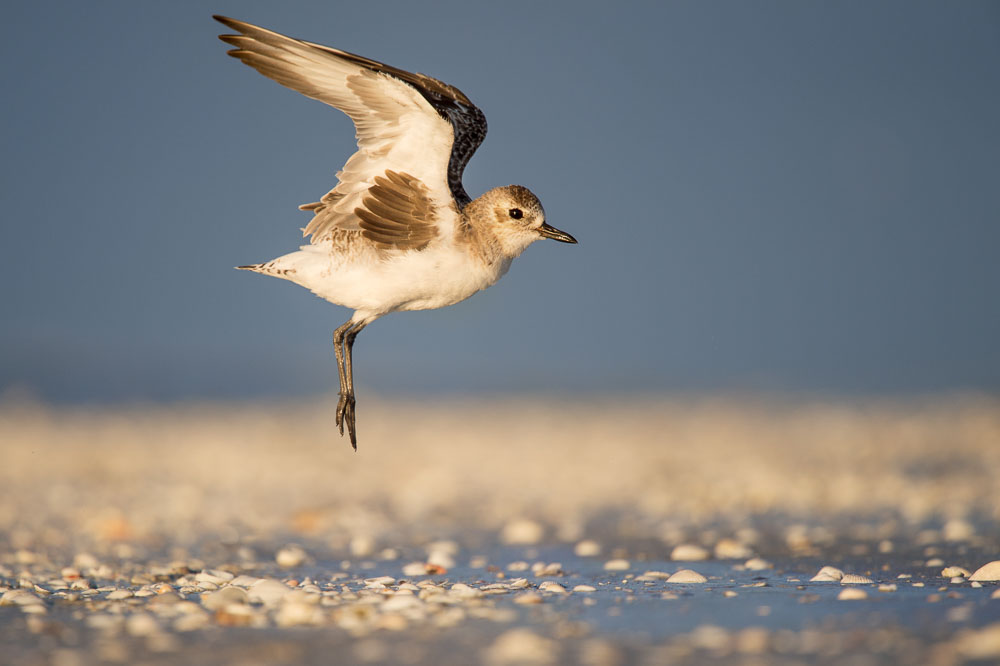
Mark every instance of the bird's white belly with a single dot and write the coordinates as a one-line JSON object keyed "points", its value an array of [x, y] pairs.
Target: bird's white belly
{"points": [[423, 280]]}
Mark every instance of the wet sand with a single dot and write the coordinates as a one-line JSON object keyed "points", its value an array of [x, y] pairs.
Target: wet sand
{"points": [[502, 532]]}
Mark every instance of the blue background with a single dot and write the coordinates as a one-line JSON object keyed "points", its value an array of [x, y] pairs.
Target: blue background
{"points": [[772, 196]]}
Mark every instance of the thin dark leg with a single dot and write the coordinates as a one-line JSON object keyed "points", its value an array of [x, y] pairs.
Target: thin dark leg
{"points": [[338, 349], [349, 414]]}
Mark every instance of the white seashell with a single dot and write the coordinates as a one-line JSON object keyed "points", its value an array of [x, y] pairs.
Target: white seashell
{"points": [[828, 575], [522, 531], [616, 565], [653, 575], [269, 592], [290, 556], [852, 594], [758, 564], [731, 549], [550, 586], [990, 571], [688, 552], [953, 572], [687, 576]]}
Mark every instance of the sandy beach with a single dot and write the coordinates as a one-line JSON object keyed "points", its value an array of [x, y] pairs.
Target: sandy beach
{"points": [[501, 531]]}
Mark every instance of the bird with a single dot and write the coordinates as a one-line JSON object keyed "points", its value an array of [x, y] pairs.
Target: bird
{"points": [[397, 232]]}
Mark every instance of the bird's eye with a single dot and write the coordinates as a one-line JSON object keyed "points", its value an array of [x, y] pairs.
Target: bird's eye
{"points": [[516, 213]]}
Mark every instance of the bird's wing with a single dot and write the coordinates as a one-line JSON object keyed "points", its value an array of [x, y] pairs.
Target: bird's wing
{"points": [[403, 186]]}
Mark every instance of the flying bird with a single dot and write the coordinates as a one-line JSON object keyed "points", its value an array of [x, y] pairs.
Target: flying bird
{"points": [[398, 230]]}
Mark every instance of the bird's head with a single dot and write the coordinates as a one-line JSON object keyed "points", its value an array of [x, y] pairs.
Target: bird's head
{"points": [[516, 218]]}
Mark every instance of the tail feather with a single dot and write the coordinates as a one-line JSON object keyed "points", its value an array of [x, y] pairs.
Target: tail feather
{"points": [[267, 268]]}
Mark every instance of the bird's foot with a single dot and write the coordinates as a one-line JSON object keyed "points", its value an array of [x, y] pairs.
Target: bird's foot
{"points": [[345, 416]]}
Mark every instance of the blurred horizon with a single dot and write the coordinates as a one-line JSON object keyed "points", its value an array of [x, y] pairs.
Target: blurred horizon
{"points": [[773, 198]]}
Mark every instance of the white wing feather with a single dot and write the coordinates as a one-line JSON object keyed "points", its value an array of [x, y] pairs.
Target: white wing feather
{"points": [[397, 129]]}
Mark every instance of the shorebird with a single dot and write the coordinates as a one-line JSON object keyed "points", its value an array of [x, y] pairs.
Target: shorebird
{"points": [[398, 230]]}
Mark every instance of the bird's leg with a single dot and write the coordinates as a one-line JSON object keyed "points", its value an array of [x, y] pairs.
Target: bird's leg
{"points": [[338, 349], [349, 375]]}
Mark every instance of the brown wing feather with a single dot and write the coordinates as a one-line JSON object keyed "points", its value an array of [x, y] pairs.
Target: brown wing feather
{"points": [[397, 213]]}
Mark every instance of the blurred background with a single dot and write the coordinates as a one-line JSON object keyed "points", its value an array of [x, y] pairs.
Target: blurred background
{"points": [[780, 197]]}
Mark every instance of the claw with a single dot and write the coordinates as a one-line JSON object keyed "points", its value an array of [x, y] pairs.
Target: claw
{"points": [[351, 427], [345, 416]]}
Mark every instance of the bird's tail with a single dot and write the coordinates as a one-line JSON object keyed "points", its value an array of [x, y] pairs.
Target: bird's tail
{"points": [[267, 268]]}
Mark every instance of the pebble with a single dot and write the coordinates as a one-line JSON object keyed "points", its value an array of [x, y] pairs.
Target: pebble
{"points": [[688, 552], [362, 545], [381, 582], [85, 561], [887, 587], [587, 548], [828, 575], [269, 592], [616, 565], [464, 591], [401, 602], [142, 624], [752, 640], [731, 549], [191, 622], [117, 595], [214, 576], [224, 597], [522, 531], [584, 588], [687, 576], [541, 569], [958, 529], [528, 598], [298, 612], [522, 646], [989, 571], [710, 637], [758, 564], [654, 575], [953, 572], [245, 581], [550, 586], [21, 598], [855, 579], [852, 594], [290, 556], [996, 594], [441, 558], [415, 569], [981, 644]]}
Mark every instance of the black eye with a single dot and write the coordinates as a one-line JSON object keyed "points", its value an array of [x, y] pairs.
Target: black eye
{"points": [[516, 213]]}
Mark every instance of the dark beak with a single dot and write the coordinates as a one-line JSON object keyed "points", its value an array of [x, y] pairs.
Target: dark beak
{"points": [[545, 231]]}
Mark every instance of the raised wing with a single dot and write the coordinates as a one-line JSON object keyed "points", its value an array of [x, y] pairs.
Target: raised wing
{"points": [[415, 135]]}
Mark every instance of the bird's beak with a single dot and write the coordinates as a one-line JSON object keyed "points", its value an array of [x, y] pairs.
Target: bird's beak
{"points": [[545, 231]]}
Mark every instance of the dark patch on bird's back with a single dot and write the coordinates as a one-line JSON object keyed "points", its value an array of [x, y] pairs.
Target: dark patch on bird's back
{"points": [[467, 121]]}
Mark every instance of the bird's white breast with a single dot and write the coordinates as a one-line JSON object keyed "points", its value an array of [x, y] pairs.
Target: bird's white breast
{"points": [[435, 277]]}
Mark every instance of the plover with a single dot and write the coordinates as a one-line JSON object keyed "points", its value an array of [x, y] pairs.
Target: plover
{"points": [[397, 231]]}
